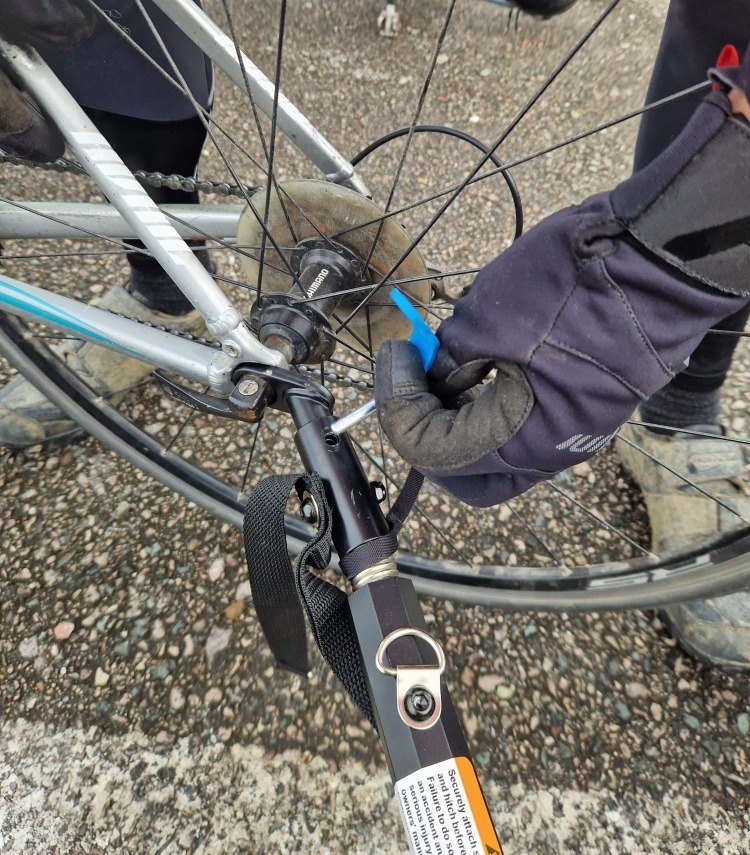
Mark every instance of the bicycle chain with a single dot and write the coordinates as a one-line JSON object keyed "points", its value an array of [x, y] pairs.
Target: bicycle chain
{"points": [[188, 185], [152, 179]]}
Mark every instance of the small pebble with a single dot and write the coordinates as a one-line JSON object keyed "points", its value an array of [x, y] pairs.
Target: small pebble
{"points": [[234, 610], [622, 711], [244, 591], [213, 697], [29, 648], [216, 569], [217, 641], [488, 682], [176, 698], [636, 690], [63, 630], [743, 723]]}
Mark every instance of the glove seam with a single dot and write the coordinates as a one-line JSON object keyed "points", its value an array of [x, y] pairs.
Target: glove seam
{"points": [[613, 286], [571, 291], [402, 389], [580, 264], [590, 359]]}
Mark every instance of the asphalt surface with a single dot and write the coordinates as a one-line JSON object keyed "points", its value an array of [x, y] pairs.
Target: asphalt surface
{"points": [[139, 708]]}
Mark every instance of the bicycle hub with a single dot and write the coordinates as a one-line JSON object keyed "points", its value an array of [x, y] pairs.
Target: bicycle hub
{"points": [[297, 323], [358, 245]]}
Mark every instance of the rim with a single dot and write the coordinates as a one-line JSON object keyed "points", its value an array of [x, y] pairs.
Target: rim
{"points": [[718, 567]]}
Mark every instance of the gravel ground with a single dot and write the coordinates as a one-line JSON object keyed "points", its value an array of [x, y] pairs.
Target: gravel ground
{"points": [[139, 708]]}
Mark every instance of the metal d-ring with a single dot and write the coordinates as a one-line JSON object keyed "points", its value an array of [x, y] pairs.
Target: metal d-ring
{"points": [[417, 686]]}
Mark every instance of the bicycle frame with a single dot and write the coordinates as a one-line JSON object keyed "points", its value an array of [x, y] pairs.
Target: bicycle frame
{"points": [[148, 223]]}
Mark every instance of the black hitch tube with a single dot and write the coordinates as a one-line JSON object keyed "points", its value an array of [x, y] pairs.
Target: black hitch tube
{"points": [[379, 607]]}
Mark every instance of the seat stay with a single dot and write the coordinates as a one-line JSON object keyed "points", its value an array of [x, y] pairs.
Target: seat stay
{"points": [[219, 48]]}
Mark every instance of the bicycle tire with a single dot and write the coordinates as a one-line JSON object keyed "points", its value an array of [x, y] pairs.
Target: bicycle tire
{"points": [[720, 567], [627, 582]]}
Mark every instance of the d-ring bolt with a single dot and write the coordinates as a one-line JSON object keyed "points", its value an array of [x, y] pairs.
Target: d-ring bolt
{"points": [[417, 686]]}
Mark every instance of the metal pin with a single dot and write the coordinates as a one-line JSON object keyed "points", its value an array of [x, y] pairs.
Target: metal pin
{"points": [[345, 423]]}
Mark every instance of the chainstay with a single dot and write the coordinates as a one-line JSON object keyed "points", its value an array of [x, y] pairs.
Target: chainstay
{"points": [[151, 179], [312, 371]]}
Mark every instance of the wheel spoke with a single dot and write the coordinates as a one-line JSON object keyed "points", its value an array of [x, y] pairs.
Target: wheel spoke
{"points": [[528, 158], [449, 541], [599, 520], [558, 561], [251, 456], [227, 162], [485, 158], [414, 122], [689, 431], [654, 459]]}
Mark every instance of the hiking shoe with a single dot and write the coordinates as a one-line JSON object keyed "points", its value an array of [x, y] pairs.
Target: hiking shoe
{"points": [[715, 631], [27, 418]]}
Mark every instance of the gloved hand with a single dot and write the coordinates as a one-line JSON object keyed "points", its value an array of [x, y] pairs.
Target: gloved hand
{"points": [[587, 314], [37, 24]]}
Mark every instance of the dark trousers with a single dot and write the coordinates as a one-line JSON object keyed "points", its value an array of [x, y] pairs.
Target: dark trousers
{"points": [[148, 122], [694, 34], [171, 148]]}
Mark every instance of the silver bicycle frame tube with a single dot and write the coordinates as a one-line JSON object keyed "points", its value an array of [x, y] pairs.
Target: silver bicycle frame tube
{"points": [[291, 122], [38, 220], [116, 181], [190, 359]]}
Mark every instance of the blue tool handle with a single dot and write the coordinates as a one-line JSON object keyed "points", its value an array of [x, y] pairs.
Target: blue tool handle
{"points": [[422, 337]]}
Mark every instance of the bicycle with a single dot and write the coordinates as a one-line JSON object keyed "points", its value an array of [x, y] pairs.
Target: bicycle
{"points": [[635, 583]]}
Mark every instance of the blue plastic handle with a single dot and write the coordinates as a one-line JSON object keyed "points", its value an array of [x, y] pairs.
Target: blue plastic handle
{"points": [[422, 337]]}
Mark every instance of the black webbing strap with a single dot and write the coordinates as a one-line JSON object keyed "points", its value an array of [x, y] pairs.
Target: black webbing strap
{"points": [[281, 592], [376, 550]]}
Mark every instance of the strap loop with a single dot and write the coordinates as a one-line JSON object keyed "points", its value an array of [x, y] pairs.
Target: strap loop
{"points": [[281, 592]]}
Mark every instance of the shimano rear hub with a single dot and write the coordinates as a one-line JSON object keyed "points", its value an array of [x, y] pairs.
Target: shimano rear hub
{"points": [[297, 323]]}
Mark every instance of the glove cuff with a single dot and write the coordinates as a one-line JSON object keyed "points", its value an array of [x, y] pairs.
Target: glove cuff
{"points": [[691, 205]]}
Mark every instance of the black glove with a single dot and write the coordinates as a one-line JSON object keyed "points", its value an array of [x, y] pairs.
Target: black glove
{"points": [[38, 24], [587, 314]]}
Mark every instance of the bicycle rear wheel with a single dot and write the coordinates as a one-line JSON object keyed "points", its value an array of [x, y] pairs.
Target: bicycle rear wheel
{"points": [[579, 542]]}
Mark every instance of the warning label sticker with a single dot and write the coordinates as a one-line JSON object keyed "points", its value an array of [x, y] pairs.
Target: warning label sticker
{"points": [[444, 811]]}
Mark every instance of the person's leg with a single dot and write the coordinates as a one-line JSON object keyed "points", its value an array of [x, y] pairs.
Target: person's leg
{"points": [[717, 631], [154, 127], [149, 122], [694, 34], [171, 148]]}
